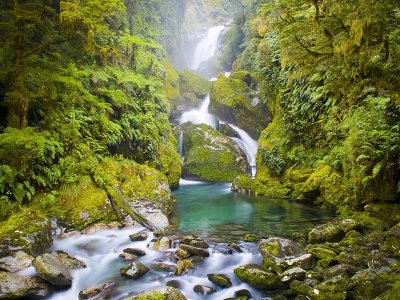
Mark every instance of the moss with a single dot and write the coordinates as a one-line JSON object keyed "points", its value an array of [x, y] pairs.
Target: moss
{"points": [[257, 278], [28, 229], [211, 156], [171, 83], [190, 82], [231, 101], [270, 188], [155, 296]]}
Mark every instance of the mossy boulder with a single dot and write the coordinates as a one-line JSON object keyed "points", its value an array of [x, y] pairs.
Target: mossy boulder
{"points": [[234, 101], [326, 233], [134, 270], [257, 278], [162, 293], [211, 156], [221, 280], [28, 230]]}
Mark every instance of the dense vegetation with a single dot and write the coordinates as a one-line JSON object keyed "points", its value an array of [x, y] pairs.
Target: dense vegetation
{"points": [[329, 72], [80, 81]]}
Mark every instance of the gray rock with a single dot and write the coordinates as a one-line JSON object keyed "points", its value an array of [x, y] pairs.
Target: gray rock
{"points": [[55, 267], [134, 270], [165, 293], [203, 290], [174, 283], [293, 274], [194, 241], [13, 286], [98, 292], [134, 251], [195, 251], [19, 261], [326, 233], [165, 244], [128, 256], [140, 236], [221, 280]]}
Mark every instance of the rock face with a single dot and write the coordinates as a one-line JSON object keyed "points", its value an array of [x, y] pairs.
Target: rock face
{"points": [[234, 100], [98, 292], [256, 277], [164, 293], [134, 270], [55, 268], [211, 156], [13, 286]]}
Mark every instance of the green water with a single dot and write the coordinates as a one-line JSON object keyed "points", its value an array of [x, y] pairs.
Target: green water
{"points": [[213, 211]]}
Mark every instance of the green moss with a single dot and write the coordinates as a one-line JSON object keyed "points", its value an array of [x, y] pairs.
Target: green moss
{"points": [[211, 156], [171, 83], [231, 100], [155, 296], [257, 278], [192, 83]]}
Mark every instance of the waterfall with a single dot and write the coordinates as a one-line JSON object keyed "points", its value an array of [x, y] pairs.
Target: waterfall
{"points": [[248, 145], [180, 145], [207, 47], [200, 115]]}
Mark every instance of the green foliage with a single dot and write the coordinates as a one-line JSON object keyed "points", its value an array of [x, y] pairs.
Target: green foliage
{"points": [[273, 159]]}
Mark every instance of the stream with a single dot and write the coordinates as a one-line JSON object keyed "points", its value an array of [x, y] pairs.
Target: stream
{"points": [[209, 210]]}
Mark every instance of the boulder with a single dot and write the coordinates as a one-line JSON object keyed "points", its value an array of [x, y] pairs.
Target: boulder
{"points": [[244, 294], [293, 274], [134, 270], [203, 290], [174, 283], [13, 286], [128, 256], [251, 238], [221, 280], [19, 261], [182, 253], [195, 250], [134, 251], [164, 293], [279, 254], [183, 266], [211, 156], [326, 233], [140, 236], [165, 244], [98, 292], [163, 267], [55, 267], [257, 278]]}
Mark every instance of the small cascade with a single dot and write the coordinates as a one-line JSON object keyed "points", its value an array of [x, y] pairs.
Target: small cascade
{"points": [[200, 115], [207, 47], [248, 145], [180, 145]]}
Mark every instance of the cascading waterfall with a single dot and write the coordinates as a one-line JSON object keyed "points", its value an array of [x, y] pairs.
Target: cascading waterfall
{"points": [[207, 47], [248, 145], [180, 145], [205, 50]]}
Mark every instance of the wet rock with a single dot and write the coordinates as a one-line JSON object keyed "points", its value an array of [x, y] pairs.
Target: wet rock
{"points": [[195, 250], [194, 241], [158, 233], [13, 286], [203, 290], [164, 293], [256, 277], [98, 292], [322, 253], [223, 249], [293, 274], [165, 244], [154, 244], [163, 267], [325, 233], [183, 266], [128, 256], [197, 259], [182, 253], [55, 267], [370, 283], [355, 258], [134, 270], [134, 251], [333, 288], [243, 293], [305, 261], [251, 238], [174, 283], [349, 224], [19, 261], [235, 247], [140, 236], [221, 280]]}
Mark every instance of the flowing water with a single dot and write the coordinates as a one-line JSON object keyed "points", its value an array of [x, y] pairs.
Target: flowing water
{"points": [[200, 115]]}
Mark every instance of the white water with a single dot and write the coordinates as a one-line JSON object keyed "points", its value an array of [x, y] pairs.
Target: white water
{"points": [[207, 47], [200, 115], [100, 252], [248, 145]]}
